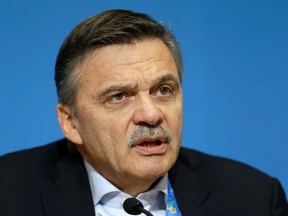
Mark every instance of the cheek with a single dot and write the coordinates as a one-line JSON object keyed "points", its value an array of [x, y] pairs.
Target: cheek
{"points": [[105, 146], [174, 117], [114, 139], [104, 128]]}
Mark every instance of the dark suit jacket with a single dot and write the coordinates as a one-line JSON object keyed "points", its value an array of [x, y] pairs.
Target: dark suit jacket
{"points": [[52, 181]]}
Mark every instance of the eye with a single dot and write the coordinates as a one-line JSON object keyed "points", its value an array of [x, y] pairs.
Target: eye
{"points": [[118, 98], [164, 91]]}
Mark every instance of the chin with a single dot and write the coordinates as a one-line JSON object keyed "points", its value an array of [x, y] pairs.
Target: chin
{"points": [[153, 171]]}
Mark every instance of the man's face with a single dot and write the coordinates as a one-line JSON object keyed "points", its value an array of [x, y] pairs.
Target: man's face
{"points": [[129, 111]]}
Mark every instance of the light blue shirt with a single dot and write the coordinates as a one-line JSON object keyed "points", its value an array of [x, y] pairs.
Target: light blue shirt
{"points": [[108, 200]]}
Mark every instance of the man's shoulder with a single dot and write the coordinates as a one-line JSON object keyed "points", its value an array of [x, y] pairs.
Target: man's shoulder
{"points": [[207, 165], [34, 158], [226, 185]]}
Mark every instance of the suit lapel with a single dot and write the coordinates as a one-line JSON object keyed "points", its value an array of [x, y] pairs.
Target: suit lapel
{"points": [[190, 191], [70, 190]]}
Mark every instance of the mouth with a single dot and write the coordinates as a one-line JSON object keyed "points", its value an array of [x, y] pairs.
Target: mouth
{"points": [[149, 141], [151, 146]]}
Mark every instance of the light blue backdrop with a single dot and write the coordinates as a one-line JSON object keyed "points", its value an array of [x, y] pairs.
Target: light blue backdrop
{"points": [[235, 83]]}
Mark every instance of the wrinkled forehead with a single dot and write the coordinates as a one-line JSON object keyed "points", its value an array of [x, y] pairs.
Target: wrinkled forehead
{"points": [[142, 60]]}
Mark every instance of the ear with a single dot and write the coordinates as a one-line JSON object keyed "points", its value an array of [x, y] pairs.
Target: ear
{"points": [[68, 124]]}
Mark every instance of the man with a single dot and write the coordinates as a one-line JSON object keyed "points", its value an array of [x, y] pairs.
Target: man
{"points": [[118, 76]]}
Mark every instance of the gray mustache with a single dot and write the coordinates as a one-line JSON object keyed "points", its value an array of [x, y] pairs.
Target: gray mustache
{"points": [[146, 131]]}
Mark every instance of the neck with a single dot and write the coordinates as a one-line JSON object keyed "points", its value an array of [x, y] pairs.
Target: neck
{"points": [[137, 187], [129, 184], [132, 185]]}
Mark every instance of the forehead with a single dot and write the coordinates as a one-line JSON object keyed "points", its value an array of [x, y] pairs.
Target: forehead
{"points": [[121, 63]]}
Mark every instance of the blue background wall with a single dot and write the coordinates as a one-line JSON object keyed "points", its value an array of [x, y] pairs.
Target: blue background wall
{"points": [[235, 83]]}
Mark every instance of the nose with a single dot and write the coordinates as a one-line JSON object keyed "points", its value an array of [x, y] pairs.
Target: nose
{"points": [[147, 112]]}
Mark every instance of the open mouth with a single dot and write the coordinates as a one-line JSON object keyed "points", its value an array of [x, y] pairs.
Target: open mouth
{"points": [[149, 137], [150, 143], [150, 146]]}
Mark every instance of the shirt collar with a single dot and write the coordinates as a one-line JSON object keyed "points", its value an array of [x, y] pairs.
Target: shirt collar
{"points": [[96, 179]]}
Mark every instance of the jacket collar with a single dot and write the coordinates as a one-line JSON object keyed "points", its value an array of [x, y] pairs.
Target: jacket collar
{"points": [[69, 193], [190, 191]]}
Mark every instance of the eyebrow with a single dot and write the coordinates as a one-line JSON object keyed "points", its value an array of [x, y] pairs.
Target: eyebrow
{"points": [[114, 88], [166, 78], [122, 88]]}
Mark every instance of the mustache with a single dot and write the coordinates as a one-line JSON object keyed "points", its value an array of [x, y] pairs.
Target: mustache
{"points": [[145, 132]]}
